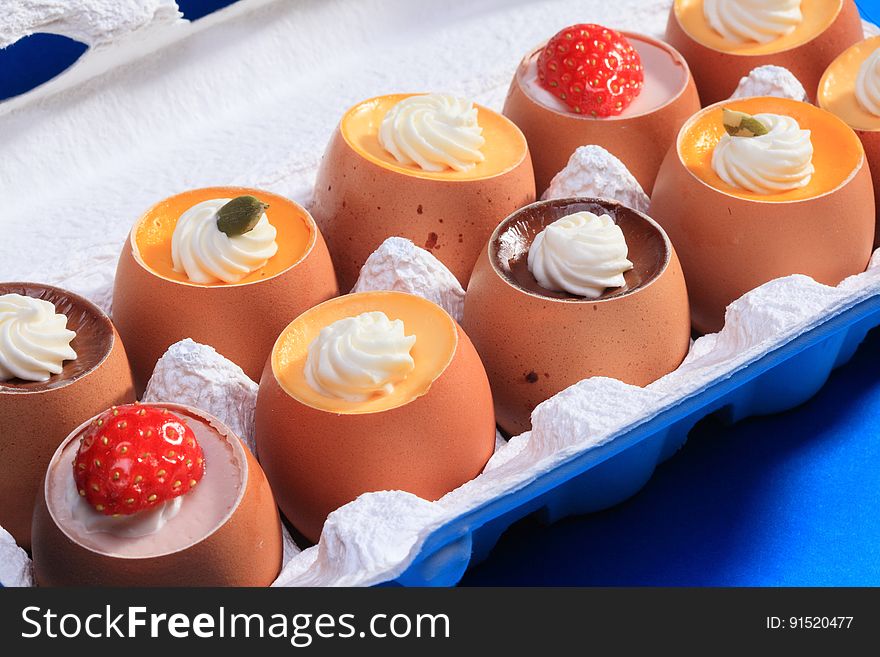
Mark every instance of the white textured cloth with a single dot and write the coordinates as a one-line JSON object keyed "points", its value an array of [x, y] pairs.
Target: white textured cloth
{"points": [[770, 81], [92, 22], [255, 111], [196, 375], [15, 565], [593, 171], [400, 265]]}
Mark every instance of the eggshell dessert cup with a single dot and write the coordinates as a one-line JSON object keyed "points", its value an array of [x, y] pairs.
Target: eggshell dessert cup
{"points": [[836, 94], [361, 200], [243, 550], [731, 243], [320, 457], [640, 141], [535, 345], [241, 321], [717, 72], [35, 416]]}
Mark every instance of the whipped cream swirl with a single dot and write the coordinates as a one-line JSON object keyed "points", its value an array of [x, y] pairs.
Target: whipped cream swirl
{"points": [[779, 161], [208, 255], [868, 84], [434, 131], [741, 21], [582, 254], [34, 339], [359, 357], [136, 525]]}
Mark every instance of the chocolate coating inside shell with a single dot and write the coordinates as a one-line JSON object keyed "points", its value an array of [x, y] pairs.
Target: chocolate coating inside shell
{"points": [[92, 344], [509, 246]]}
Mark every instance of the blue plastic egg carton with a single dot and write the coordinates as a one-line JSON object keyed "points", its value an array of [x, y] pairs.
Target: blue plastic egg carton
{"points": [[611, 473]]}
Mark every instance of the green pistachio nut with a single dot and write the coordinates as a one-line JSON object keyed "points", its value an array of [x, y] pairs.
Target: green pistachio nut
{"points": [[740, 124], [240, 215]]}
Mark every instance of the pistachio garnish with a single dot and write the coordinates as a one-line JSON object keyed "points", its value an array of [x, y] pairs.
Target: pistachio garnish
{"points": [[240, 215], [740, 124]]}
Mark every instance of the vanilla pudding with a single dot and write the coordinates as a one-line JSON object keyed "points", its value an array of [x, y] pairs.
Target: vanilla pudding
{"points": [[167, 528], [665, 77], [850, 89], [723, 40]]}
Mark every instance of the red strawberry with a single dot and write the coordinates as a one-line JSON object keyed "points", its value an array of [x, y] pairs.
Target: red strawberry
{"points": [[592, 69], [135, 457]]}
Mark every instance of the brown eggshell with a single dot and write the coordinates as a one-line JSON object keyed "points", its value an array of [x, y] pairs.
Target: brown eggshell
{"points": [[240, 321], [828, 97], [318, 460], [730, 245], [359, 203], [640, 141], [718, 73], [35, 417], [244, 551], [871, 143], [534, 346]]}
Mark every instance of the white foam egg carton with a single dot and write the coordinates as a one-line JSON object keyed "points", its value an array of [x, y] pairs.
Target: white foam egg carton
{"points": [[250, 96]]}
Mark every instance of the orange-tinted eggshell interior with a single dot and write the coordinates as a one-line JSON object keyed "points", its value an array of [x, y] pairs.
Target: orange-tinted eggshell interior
{"points": [[428, 437], [154, 307], [818, 15], [731, 241], [435, 345], [154, 231], [838, 85], [503, 149], [837, 153]]}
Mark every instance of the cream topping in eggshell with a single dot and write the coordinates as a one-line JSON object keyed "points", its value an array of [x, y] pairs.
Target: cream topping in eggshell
{"points": [[761, 21], [34, 339], [136, 525], [208, 255], [868, 84], [434, 131], [583, 254], [356, 358], [778, 161]]}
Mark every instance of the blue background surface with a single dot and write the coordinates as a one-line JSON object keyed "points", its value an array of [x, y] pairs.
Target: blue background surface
{"points": [[789, 499], [40, 57]]}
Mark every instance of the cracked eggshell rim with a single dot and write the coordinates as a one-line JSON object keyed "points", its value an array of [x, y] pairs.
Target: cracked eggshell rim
{"points": [[359, 202], [637, 336], [243, 550], [319, 460], [717, 73], [153, 312], [639, 141], [729, 245], [33, 422]]}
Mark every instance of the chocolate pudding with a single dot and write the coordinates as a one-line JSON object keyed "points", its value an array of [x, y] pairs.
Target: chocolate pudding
{"points": [[92, 344], [649, 251]]}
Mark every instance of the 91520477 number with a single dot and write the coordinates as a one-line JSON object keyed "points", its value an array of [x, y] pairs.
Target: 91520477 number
{"points": [[809, 623]]}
